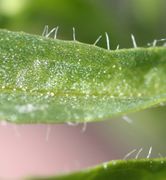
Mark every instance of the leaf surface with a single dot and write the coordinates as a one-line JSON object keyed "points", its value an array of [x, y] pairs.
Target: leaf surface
{"points": [[152, 169], [55, 81]]}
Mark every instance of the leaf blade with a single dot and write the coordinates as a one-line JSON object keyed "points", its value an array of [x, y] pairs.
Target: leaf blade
{"points": [[54, 81], [149, 169]]}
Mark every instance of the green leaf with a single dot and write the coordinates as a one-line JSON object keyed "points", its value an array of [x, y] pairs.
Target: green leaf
{"points": [[152, 169], [54, 81]]}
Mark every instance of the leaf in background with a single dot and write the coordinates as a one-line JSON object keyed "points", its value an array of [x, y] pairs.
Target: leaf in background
{"points": [[55, 81], [119, 170]]}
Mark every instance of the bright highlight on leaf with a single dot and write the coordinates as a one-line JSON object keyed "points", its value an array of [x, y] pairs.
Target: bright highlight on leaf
{"points": [[54, 81]]}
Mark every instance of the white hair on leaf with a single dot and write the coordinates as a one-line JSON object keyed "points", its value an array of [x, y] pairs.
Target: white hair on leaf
{"points": [[49, 33], [56, 32], [48, 132], [127, 119], [46, 33], [74, 34], [97, 40], [155, 41], [139, 152], [128, 154], [117, 47], [107, 41], [133, 41], [149, 153], [72, 123], [84, 127]]}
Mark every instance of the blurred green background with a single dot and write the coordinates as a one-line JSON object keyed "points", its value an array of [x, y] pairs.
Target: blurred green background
{"points": [[91, 18]]}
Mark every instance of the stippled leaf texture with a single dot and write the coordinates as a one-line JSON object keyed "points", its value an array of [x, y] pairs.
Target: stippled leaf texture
{"points": [[119, 170], [54, 81]]}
